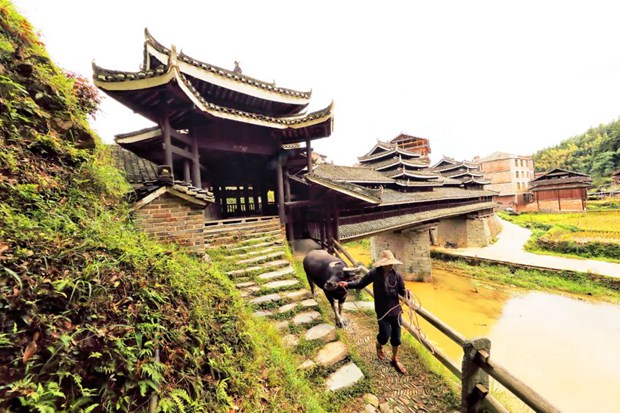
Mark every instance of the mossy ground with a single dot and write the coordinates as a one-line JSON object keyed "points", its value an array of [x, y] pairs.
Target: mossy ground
{"points": [[95, 316]]}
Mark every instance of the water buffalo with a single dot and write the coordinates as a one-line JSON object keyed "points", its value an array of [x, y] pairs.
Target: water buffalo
{"points": [[325, 270]]}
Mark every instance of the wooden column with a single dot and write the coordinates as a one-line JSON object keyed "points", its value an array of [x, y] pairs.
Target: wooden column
{"points": [[186, 172], [475, 381], [196, 181], [165, 131], [287, 187], [280, 192], [309, 155]]}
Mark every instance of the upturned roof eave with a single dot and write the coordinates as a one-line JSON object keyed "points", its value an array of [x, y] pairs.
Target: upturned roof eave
{"points": [[329, 185], [226, 78], [173, 75]]}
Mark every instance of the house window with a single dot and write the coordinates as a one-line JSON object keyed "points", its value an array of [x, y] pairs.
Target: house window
{"points": [[516, 162]]}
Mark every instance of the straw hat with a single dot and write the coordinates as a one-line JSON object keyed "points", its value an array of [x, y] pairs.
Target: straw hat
{"points": [[386, 257]]}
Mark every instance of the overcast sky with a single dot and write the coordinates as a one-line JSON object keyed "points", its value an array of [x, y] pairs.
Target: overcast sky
{"points": [[474, 77]]}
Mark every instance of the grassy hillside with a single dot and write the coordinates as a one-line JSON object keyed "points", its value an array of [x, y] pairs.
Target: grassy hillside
{"points": [[94, 316], [596, 152]]}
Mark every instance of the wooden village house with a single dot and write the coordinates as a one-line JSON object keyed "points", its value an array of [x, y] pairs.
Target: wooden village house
{"points": [[559, 190]]}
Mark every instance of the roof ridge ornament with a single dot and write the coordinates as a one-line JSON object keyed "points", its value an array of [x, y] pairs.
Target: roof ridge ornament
{"points": [[237, 70], [173, 60]]}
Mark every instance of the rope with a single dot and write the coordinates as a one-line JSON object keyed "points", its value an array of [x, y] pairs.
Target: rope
{"points": [[413, 303]]}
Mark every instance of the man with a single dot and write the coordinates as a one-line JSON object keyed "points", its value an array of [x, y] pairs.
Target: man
{"points": [[387, 284]]}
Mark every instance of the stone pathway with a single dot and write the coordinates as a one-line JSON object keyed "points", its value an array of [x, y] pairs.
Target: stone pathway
{"points": [[416, 391], [255, 259], [509, 248]]}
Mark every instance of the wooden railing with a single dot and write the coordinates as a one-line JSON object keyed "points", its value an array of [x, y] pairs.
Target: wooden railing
{"points": [[477, 364], [242, 210]]}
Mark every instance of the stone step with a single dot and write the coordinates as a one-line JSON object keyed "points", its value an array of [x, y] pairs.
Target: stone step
{"points": [[297, 295], [263, 267], [309, 303], [250, 242], [290, 340], [306, 317], [245, 284], [345, 376], [269, 298], [257, 245], [262, 313], [331, 353], [234, 237], [254, 253], [277, 274], [263, 258], [241, 227], [323, 332], [279, 284]]}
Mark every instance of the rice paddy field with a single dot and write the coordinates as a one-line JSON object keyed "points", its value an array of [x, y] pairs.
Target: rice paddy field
{"points": [[591, 234]]}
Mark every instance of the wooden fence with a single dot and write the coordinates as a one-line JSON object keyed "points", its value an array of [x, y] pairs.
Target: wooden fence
{"points": [[476, 366]]}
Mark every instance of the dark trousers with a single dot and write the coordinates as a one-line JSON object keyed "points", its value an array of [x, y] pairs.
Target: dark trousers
{"points": [[389, 328]]}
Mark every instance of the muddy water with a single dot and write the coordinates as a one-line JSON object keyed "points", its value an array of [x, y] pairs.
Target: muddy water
{"points": [[567, 349]]}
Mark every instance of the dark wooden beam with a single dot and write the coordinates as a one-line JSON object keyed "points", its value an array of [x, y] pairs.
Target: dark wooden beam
{"points": [[239, 145], [196, 178], [303, 203], [181, 137], [280, 183], [309, 155], [165, 131]]}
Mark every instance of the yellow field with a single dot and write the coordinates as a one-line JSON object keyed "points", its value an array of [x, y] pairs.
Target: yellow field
{"points": [[587, 221]]}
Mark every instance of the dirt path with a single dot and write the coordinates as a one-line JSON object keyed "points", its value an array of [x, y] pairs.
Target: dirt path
{"points": [[417, 391], [509, 248]]}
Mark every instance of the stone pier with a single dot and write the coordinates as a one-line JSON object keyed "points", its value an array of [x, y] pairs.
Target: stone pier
{"points": [[411, 246], [472, 230]]}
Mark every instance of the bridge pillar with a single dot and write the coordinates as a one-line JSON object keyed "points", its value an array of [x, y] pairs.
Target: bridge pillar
{"points": [[411, 246], [474, 230]]}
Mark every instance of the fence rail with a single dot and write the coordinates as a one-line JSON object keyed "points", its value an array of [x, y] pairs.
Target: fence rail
{"points": [[476, 367]]}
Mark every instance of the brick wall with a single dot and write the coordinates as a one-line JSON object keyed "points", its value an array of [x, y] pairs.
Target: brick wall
{"points": [[172, 219]]}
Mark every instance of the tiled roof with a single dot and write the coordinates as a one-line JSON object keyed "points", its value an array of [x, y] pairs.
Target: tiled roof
{"points": [[224, 73], [137, 170], [404, 172], [104, 78], [142, 174], [354, 174], [392, 197], [561, 182], [178, 186], [383, 149], [396, 160], [463, 173], [416, 184], [372, 196], [359, 230]]}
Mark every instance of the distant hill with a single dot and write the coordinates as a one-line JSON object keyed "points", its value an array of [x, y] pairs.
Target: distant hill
{"points": [[596, 152]]}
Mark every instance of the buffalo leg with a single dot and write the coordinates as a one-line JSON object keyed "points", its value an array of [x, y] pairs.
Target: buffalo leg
{"points": [[332, 302], [342, 320], [311, 286]]}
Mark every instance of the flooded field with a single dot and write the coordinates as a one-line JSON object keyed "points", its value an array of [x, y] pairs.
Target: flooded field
{"points": [[565, 348]]}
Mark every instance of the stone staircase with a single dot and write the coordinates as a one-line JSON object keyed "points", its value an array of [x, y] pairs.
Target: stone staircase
{"points": [[254, 256]]}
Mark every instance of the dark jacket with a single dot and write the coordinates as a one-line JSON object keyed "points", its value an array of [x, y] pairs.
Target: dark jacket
{"points": [[386, 289]]}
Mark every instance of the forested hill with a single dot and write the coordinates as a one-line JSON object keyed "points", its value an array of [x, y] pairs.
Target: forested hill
{"points": [[596, 152]]}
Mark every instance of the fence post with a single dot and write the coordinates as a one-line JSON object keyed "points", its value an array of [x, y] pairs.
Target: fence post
{"points": [[475, 382]]}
